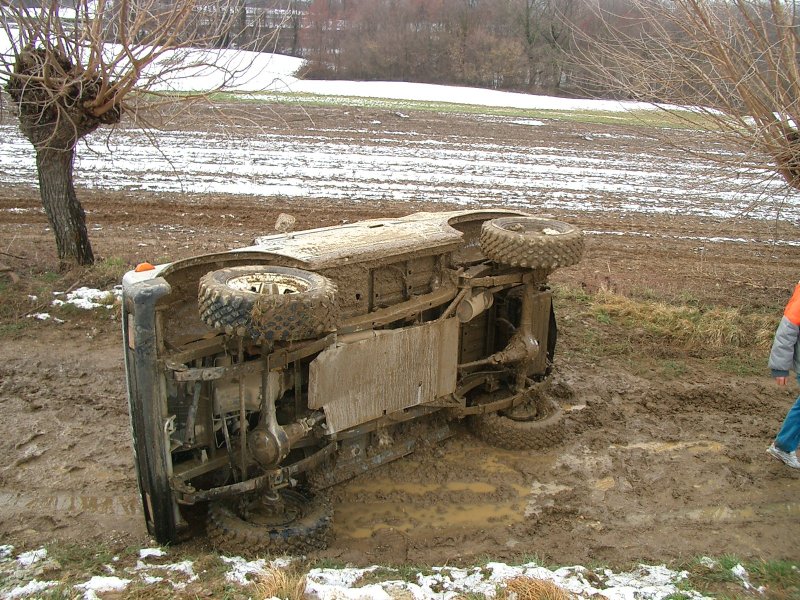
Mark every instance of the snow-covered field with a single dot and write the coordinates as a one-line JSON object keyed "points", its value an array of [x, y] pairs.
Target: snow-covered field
{"points": [[245, 71], [377, 162]]}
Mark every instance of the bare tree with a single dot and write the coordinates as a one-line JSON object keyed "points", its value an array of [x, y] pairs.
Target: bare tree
{"points": [[735, 62], [72, 69], [545, 32]]}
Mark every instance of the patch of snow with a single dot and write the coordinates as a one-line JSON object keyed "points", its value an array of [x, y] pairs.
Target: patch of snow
{"points": [[338, 577], [6, 551], [454, 581], [241, 568], [26, 559], [100, 583], [148, 552], [45, 316], [29, 589], [740, 572], [186, 567], [89, 298], [644, 583], [528, 122], [742, 575], [708, 563], [372, 591]]}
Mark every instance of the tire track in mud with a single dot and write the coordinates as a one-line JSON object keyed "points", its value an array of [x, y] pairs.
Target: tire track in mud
{"points": [[624, 486]]}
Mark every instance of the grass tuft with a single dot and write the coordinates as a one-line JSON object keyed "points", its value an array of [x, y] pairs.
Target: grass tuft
{"points": [[104, 273], [529, 588], [286, 584], [79, 560]]}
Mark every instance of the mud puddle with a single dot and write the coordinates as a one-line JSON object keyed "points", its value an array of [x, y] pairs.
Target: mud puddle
{"points": [[443, 489]]}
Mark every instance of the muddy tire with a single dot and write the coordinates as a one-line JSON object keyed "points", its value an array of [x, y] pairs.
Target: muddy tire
{"points": [[538, 434], [268, 303], [531, 242], [305, 526]]}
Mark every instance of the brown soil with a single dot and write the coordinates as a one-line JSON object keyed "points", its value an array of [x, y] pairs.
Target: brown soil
{"points": [[654, 468]]}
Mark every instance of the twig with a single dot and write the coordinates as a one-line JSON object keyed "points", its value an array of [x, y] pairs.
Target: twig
{"points": [[12, 255]]}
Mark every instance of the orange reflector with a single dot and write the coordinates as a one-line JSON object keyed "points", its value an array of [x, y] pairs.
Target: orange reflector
{"points": [[145, 266]]}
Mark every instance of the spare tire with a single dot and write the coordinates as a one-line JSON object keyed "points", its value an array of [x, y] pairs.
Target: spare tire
{"points": [[532, 242], [267, 303]]}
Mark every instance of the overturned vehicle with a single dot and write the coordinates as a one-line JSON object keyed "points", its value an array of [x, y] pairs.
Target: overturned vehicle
{"points": [[261, 376]]}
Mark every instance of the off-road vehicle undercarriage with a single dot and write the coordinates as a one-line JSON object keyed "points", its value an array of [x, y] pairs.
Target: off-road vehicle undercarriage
{"points": [[261, 376]]}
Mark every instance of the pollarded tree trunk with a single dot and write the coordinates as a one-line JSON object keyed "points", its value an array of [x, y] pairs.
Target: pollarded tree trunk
{"points": [[61, 204], [55, 99]]}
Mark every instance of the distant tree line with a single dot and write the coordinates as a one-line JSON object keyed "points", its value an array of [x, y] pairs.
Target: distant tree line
{"points": [[523, 45], [508, 44]]}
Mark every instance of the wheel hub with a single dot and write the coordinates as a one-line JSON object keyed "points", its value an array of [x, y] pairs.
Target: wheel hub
{"points": [[530, 410], [266, 283], [271, 511]]}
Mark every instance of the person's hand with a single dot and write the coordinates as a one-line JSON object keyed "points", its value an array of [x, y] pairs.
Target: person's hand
{"points": [[781, 380]]}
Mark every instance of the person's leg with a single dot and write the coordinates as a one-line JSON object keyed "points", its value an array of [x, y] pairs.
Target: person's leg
{"points": [[788, 438]]}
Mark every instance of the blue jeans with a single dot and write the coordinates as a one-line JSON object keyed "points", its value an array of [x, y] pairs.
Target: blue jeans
{"points": [[789, 436]]}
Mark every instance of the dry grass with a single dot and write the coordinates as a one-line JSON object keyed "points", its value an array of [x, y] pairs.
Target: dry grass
{"points": [[528, 588], [707, 327], [286, 583]]}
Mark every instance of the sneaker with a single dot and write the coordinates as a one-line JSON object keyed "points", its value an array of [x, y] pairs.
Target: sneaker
{"points": [[789, 458]]}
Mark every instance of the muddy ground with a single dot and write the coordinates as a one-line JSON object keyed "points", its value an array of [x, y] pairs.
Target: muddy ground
{"points": [[657, 466]]}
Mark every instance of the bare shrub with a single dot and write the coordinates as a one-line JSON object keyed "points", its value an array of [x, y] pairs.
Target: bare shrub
{"points": [[735, 63]]}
